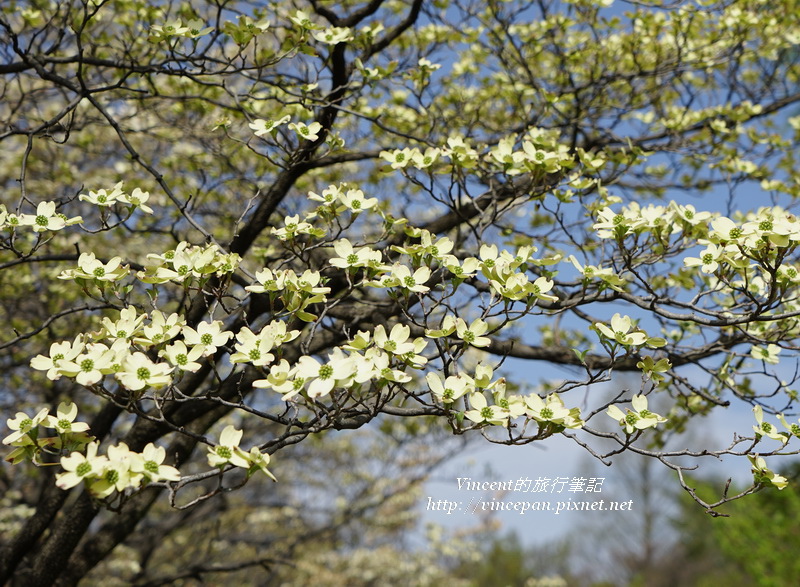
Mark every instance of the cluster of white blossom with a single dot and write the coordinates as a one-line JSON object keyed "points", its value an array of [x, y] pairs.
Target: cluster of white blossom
{"points": [[120, 469], [48, 219], [45, 219], [119, 350]]}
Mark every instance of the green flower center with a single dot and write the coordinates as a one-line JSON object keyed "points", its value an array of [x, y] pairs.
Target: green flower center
{"points": [[765, 225], [224, 452], [448, 393], [469, 336], [112, 477], [409, 281], [645, 413], [618, 220], [143, 373], [101, 198], [708, 258], [83, 469], [631, 418], [352, 259], [25, 425], [181, 359], [151, 467], [766, 427], [298, 383], [546, 413], [87, 365], [689, 214], [486, 413], [735, 232], [58, 357], [64, 424], [206, 339], [795, 429], [390, 345], [325, 372], [99, 272], [355, 204], [254, 355], [42, 220]]}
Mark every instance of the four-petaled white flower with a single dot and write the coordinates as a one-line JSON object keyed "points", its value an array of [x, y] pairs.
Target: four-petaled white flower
{"points": [[64, 420], [59, 352], [355, 201], [321, 378], [708, 260], [208, 335], [22, 425], [137, 199], [550, 410], [307, 132], [90, 366], [103, 197], [762, 474], [79, 467], [150, 465], [171, 28], [262, 127], [396, 343], [350, 257], [139, 372], [482, 412], [333, 35], [402, 276], [449, 390], [620, 331], [765, 428], [472, 334], [116, 474], [399, 158], [768, 354], [44, 219], [183, 358], [637, 419], [228, 451], [90, 267]]}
